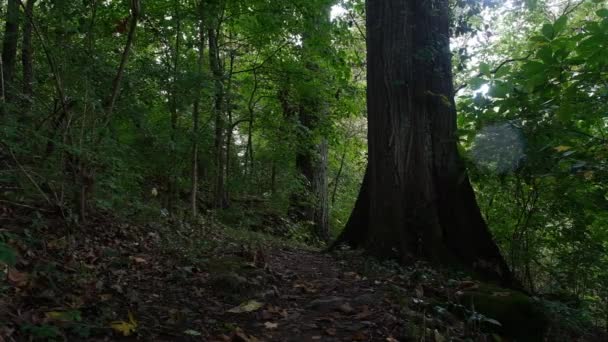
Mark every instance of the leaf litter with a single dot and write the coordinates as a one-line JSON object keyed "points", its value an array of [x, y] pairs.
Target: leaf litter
{"points": [[143, 282]]}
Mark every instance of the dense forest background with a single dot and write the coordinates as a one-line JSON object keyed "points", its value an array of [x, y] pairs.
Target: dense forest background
{"points": [[252, 113]]}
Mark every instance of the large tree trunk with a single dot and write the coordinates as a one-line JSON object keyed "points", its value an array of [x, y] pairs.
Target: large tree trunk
{"points": [[416, 200]]}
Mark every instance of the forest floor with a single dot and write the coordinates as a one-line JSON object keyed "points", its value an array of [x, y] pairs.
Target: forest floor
{"points": [[112, 281]]}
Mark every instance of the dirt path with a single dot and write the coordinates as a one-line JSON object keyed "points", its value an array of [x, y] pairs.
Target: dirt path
{"points": [[118, 282], [318, 300]]}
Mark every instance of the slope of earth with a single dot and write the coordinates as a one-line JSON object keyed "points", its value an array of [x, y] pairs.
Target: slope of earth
{"points": [[112, 281]]}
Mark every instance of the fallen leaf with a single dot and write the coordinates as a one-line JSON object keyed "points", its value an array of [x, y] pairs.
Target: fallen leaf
{"points": [[352, 275], [364, 313], [140, 260], [346, 308], [359, 336], [438, 337], [104, 297], [266, 314], [125, 328], [192, 332], [391, 339], [468, 285], [248, 306], [17, 278], [304, 288], [240, 336], [330, 331], [64, 316], [270, 325]]}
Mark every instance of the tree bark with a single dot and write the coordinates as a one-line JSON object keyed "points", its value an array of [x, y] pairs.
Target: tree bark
{"points": [[220, 200], [172, 190], [320, 190], [9, 49], [231, 126], [111, 102], [27, 59], [312, 204], [416, 200], [338, 175], [248, 157], [196, 115]]}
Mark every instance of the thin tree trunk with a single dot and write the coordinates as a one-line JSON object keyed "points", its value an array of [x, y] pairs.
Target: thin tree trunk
{"points": [[231, 126], [416, 200], [27, 59], [251, 108], [9, 48], [338, 175], [171, 177], [111, 102], [320, 190], [86, 172], [312, 204], [273, 178], [220, 200], [196, 115]]}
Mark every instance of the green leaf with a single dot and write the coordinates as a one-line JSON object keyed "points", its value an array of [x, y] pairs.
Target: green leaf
{"points": [[499, 90], [538, 39], [564, 113], [43, 331], [502, 71], [602, 12], [533, 68], [560, 24], [484, 68], [66, 316], [477, 82], [548, 31], [7, 255], [545, 54]]}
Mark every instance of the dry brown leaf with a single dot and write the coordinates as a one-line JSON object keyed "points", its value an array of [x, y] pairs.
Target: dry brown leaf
{"points": [[364, 313], [468, 285], [17, 278], [140, 260], [359, 336], [240, 336], [346, 308], [266, 314]]}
